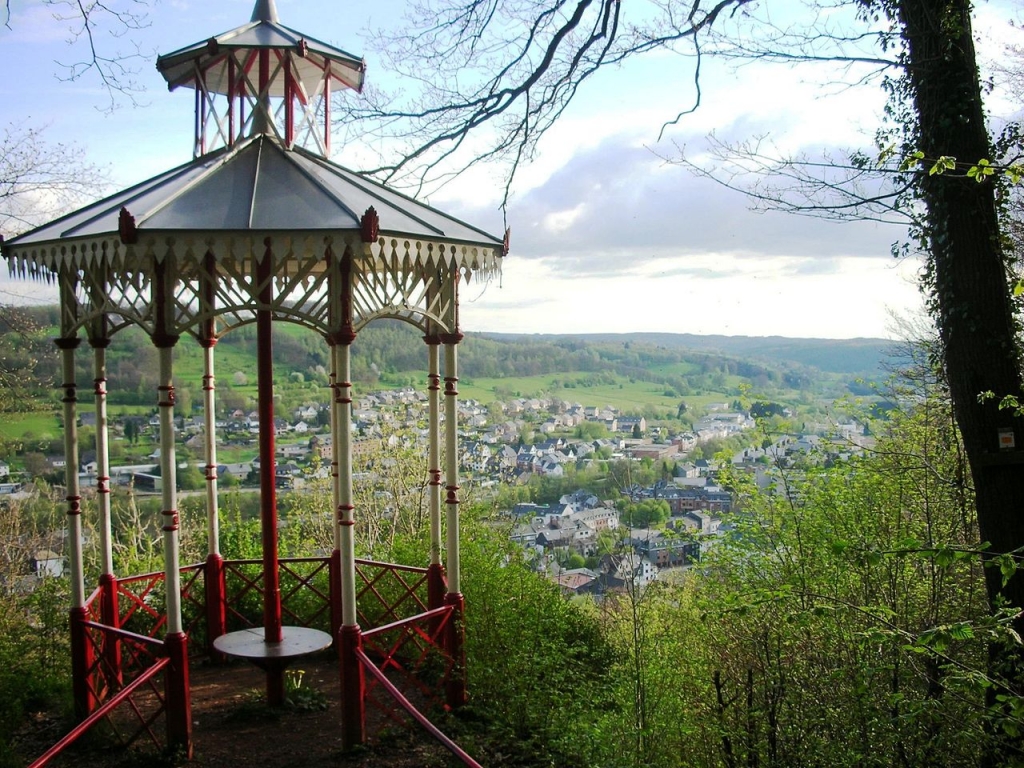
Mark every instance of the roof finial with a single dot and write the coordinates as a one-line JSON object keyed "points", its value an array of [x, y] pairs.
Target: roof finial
{"points": [[265, 10]]}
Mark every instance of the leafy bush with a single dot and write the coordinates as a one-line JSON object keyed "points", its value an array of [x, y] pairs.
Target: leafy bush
{"points": [[538, 664]]}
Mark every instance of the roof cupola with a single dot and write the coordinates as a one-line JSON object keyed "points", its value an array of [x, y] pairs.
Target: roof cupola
{"points": [[262, 77]]}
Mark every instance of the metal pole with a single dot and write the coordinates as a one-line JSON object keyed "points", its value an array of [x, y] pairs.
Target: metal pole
{"points": [[108, 581], [353, 713], [335, 562], [169, 495], [179, 704], [102, 454], [215, 588], [451, 418], [210, 445], [272, 632], [456, 686], [176, 685], [346, 521], [81, 650], [435, 571]]}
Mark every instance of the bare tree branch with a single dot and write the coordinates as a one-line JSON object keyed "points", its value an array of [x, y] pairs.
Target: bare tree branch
{"points": [[502, 73], [100, 34], [39, 181], [846, 188], [493, 76]]}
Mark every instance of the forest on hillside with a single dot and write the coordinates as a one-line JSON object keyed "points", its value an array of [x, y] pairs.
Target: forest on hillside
{"points": [[390, 353]]}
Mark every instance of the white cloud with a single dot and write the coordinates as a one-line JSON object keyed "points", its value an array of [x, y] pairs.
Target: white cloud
{"points": [[717, 293], [557, 222]]}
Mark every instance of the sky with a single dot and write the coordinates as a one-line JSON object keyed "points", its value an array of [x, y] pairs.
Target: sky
{"points": [[607, 235]]}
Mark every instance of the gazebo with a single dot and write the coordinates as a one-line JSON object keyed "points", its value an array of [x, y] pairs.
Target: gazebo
{"points": [[260, 227]]}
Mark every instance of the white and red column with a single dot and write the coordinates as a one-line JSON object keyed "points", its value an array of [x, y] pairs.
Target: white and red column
{"points": [[81, 650], [456, 692], [435, 571], [108, 580]]}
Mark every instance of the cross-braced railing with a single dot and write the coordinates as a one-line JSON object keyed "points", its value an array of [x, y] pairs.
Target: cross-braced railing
{"points": [[122, 669], [387, 592], [412, 654], [141, 602], [305, 591], [407, 642], [137, 698]]}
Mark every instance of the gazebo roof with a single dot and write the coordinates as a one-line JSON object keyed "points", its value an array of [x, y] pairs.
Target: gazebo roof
{"points": [[257, 187], [266, 32]]}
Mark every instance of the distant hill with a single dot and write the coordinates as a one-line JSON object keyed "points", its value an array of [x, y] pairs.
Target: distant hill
{"points": [[866, 357], [390, 353]]}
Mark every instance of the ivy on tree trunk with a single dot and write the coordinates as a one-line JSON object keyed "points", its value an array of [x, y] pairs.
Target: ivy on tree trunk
{"points": [[970, 294]]}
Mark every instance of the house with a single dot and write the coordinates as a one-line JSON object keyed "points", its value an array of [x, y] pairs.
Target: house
{"points": [[603, 519], [703, 527], [550, 467], [575, 581], [307, 413], [147, 482], [654, 452], [531, 510], [620, 570], [504, 460], [579, 500], [668, 551], [476, 456], [687, 471], [46, 563], [525, 534], [631, 424], [555, 538], [686, 498], [293, 450]]}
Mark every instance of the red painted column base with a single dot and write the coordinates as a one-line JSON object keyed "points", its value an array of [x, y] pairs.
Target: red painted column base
{"points": [[436, 586], [353, 688], [111, 617], [334, 574], [178, 695], [215, 588], [81, 664], [455, 690]]}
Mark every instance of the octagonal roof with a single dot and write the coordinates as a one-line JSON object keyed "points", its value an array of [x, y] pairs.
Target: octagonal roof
{"points": [[259, 186]]}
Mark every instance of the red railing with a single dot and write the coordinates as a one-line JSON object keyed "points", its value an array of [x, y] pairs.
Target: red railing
{"points": [[412, 652], [120, 680], [389, 592], [381, 679], [104, 712], [305, 591], [406, 645], [141, 602]]}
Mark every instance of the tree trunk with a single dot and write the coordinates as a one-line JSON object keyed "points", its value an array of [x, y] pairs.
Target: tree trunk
{"points": [[970, 293]]}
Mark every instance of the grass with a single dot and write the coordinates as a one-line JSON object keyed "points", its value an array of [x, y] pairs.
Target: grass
{"points": [[625, 394], [37, 425]]}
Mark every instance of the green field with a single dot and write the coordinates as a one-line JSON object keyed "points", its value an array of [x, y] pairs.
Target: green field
{"points": [[625, 395], [35, 425]]}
